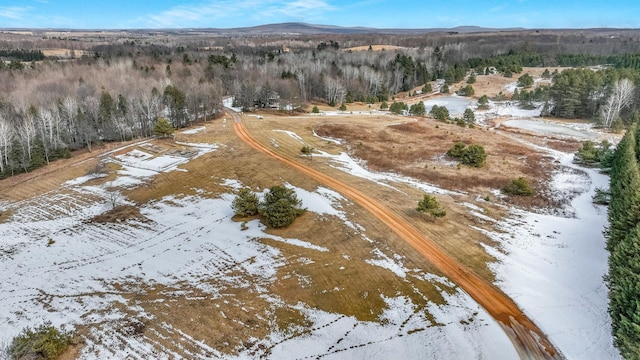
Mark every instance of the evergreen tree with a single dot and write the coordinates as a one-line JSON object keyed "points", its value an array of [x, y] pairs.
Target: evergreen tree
{"points": [[280, 207], [398, 107], [439, 112], [163, 128], [430, 205], [472, 78], [624, 245], [469, 116], [245, 203], [418, 109], [624, 210], [483, 102], [525, 81]]}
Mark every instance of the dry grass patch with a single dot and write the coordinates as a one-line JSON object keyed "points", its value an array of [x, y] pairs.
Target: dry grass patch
{"points": [[418, 149], [119, 214], [5, 215]]}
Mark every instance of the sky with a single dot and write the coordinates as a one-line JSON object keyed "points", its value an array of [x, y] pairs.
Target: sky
{"points": [[151, 14]]}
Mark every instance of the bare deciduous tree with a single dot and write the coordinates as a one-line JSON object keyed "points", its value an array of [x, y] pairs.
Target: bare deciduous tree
{"points": [[6, 137], [335, 91], [621, 97]]}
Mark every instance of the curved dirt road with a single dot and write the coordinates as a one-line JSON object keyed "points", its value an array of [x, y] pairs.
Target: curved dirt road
{"points": [[529, 340]]}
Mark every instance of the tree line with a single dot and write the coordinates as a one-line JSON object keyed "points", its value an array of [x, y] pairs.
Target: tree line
{"points": [[50, 107], [623, 243]]}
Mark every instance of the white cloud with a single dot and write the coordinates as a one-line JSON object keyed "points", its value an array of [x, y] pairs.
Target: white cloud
{"points": [[14, 12], [210, 13]]}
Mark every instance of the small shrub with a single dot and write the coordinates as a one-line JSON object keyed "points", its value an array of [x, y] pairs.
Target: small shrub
{"points": [[473, 155], [343, 107], [43, 342], [457, 150], [384, 105], [430, 205], [315, 110], [601, 197], [398, 107], [483, 102], [519, 187]]}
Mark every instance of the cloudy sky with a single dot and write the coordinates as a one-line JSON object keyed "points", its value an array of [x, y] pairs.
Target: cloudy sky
{"points": [[118, 14]]}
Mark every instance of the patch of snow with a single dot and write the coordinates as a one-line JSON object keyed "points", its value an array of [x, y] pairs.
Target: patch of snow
{"points": [[338, 142], [386, 262], [194, 131], [320, 202], [510, 87], [345, 163], [291, 134], [232, 183], [83, 179], [472, 206], [549, 128], [454, 103]]}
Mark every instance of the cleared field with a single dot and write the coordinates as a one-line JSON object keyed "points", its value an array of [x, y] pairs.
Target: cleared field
{"points": [[172, 273]]}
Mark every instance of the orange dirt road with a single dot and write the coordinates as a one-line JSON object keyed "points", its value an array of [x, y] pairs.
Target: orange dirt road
{"points": [[529, 341]]}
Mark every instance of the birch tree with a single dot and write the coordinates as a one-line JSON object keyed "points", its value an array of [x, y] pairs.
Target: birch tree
{"points": [[335, 91], [27, 131], [620, 98], [6, 138]]}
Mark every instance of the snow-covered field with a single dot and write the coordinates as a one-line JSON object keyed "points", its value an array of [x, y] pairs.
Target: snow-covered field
{"points": [[58, 266]]}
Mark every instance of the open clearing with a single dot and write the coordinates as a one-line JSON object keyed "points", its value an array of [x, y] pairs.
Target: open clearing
{"points": [[170, 273]]}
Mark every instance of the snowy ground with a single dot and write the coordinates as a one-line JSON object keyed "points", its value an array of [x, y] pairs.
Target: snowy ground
{"points": [[454, 103], [550, 129], [553, 267], [59, 267]]}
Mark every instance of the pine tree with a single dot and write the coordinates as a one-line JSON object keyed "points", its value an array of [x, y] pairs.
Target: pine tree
{"points": [[163, 128], [280, 207], [430, 205], [245, 203], [624, 245]]}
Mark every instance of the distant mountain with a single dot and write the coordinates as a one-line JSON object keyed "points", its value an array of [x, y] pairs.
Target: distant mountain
{"points": [[298, 28], [310, 29]]}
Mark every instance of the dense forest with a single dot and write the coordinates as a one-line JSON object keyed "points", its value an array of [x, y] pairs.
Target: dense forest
{"points": [[623, 244]]}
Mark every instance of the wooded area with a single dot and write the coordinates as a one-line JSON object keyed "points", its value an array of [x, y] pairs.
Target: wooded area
{"points": [[112, 87]]}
